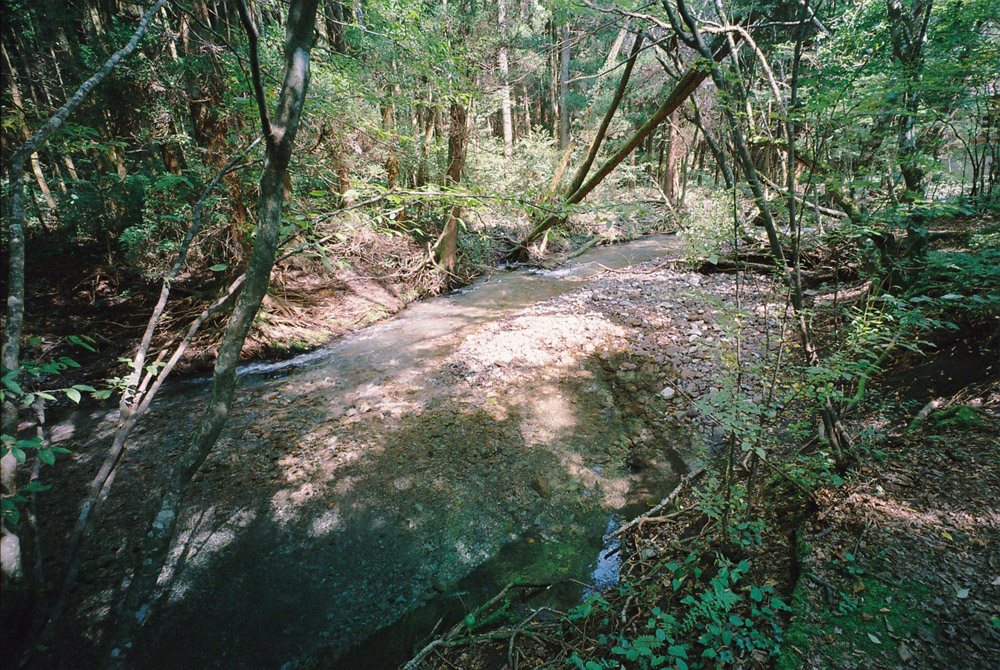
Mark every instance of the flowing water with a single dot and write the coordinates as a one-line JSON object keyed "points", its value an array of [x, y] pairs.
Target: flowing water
{"points": [[366, 491]]}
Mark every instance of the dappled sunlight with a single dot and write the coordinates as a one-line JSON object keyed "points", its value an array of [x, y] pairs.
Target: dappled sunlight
{"points": [[412, 455], [325, 523], [885, 511], [202, 536]]}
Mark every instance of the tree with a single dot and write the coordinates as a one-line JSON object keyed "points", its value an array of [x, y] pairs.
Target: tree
{"points": [[10, 546], [279, 134]]}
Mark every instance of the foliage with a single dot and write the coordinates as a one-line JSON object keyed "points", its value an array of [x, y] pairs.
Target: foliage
{"points": [[31, 385], [714, 618]]}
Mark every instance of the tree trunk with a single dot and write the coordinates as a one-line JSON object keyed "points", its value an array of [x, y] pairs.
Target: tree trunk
{"points": [[564, 89], [909, 32], [602, 130], [10, 547], [682, 91], [446, 249], [508, 124], [333, 17], [280, 138]]}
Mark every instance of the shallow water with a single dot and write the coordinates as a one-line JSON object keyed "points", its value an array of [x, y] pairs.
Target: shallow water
{"points": [[397, 497]]}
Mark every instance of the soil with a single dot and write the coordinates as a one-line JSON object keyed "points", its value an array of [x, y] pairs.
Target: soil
{"points": [[309, 304]]}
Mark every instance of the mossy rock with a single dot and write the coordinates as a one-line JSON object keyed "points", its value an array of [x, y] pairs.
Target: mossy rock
{"points": [[960, 416]]}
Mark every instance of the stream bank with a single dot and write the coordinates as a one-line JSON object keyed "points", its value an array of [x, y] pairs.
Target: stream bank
{"points": [[371, 477]]}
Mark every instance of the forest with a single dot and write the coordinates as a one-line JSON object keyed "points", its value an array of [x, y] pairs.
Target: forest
{"points": [[586, 334]]}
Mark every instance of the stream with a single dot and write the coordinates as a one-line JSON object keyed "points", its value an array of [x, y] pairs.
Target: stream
{"points": [[370, 490]]}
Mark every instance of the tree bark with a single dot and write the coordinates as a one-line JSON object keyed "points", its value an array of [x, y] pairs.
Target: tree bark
{"points": [[909, 32], [279, 142], [446, 248], [564, 88]]}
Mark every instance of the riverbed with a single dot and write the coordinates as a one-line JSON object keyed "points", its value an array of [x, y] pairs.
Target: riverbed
{"points": [[407, 472]]}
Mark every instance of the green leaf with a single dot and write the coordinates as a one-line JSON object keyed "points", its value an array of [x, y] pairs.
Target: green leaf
{"points": [[84, 387], [19, 454], [756, 595], [12, 385], [678, 650], [46, 456], [80, 343], [73, 395], [219, 267]]}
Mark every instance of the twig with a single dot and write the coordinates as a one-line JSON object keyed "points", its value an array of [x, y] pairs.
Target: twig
{"points": [[449, 637], [686, 479], [924, 413]]}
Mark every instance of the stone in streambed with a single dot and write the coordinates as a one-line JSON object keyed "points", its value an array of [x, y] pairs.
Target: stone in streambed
{"points": [[541, 486]]}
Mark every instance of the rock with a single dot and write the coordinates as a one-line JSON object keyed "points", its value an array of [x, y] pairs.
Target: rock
{"points": [[667, 393], [719, 433], [541, 486]]}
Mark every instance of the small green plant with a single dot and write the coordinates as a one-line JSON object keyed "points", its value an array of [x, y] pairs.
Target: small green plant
{"points": [[720, 619], [27, 387]]}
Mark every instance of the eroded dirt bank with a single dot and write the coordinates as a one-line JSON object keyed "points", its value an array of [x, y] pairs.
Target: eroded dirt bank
{"points": [[344, 493]]}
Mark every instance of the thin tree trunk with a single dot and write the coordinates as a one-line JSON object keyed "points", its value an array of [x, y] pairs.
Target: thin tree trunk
{"points": [[508, 124], [602, 130], [682, 91], [446, 248], [10, 358], [280, 138], [564, 89]]}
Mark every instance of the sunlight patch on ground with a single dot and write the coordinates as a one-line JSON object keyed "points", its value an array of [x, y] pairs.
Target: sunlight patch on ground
{"points": [[202, 536], [324, 523], [880, 510], [285, 503]]}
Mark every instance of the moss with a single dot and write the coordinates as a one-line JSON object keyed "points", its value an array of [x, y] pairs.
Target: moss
{"points": [[856, 625], [961, 416]]}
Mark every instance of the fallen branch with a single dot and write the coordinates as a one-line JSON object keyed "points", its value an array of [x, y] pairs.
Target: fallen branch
{"points": [[596, 239], [836, 213], [924, 413], [685, 480], [448, 639]]}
